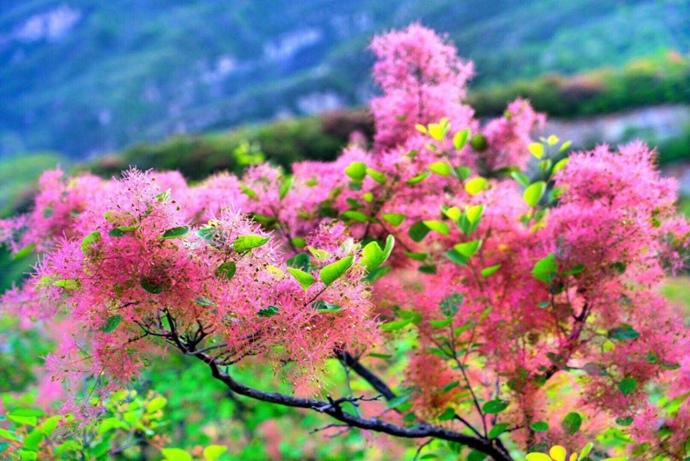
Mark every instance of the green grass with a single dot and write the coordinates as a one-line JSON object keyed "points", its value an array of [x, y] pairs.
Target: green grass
{"points": [[18, 175]]}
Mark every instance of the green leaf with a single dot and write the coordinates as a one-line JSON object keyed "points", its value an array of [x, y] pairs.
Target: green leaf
{"points": [[204, 301], [571, 423], [373, 256], [468, 249], [376, 274], [494, 406], [475, 185], [122, 230], [418, 231], [376, 176], [521, 178], [226, 270], [28, 455], [418, 178], [28, 412], [397, 401], [440, 323], [150, 285], [474, 213], [463, 328], [175, 454], [380, 356], [357, 171], [325, 307], [355, 216], [438, 226], [438, 130], [88, 242], [476, 455], [536, 149], [539, 426], [538, 457], [623, 333], [334, 271], [451, 304], [176, 232], [534, 193], [627, 385], [163, 196], [456, 257], [284, 189], [24, 420], [462, 172], [304, 278], [157, 403], [248, 242], [453, 213], [249, 193], [624, 421], [24, 252], [112, 323], [67, 284], [479, 142], [269, 311], [299, 242], [213, 452], [546, 268], [396, 324], [560, 165], [565, 146], [394, 219], [487, 271], [447, 415], [440, 168], [497, 430], [460, 138], [575, 270], [300, 261], [354, 204], [7, 435], [416, 256]]}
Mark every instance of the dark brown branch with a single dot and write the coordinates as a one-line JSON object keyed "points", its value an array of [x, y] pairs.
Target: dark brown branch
{"points": [[334, 409], [365, 373]]}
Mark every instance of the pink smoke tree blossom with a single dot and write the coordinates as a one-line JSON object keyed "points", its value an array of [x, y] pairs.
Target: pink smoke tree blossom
{"points": [[529, 281]]}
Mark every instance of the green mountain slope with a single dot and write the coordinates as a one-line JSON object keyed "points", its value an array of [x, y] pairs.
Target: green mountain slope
{"points": [[88, 76]]}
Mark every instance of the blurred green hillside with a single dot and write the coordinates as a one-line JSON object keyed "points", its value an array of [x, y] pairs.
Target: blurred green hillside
{"points": [[89, 76]]}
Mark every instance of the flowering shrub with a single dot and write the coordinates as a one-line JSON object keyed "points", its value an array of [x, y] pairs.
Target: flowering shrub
{"points": [[532, 294]]}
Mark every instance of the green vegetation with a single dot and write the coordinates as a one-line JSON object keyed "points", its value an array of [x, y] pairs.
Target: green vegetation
{"points": [[283, 143], [642, 82]]}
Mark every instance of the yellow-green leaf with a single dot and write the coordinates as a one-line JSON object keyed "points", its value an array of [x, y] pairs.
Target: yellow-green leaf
{"points": [[475, 185], [441, 168], [534, 193], [394, 218], [176, 454], [356, 170], [438, 226], [305, 279], [460, 138], [213, 452], [468, 249], [334, 271], [88, 242], [537, 149]]}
